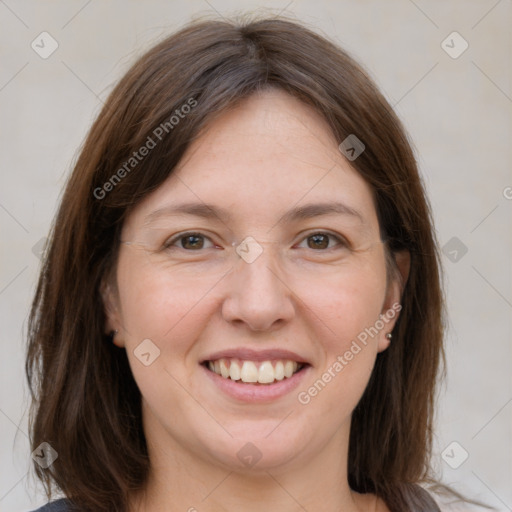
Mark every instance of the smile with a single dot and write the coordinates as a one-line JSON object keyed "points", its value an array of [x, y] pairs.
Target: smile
{"points": [[254, 372]]}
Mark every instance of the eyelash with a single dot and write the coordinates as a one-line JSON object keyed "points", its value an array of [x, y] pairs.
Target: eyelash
{"points": [[169, 243]]}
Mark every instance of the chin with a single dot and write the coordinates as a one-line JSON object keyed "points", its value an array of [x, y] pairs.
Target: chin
{"points": [[258, 452]]}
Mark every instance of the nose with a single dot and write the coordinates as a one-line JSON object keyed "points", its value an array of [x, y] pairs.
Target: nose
{"points": [[258, 294]]}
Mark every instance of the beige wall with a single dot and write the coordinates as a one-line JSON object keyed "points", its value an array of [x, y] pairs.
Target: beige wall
{"points": [[457, 110]]}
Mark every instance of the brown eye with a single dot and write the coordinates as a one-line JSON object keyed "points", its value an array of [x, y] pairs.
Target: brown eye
{"points": [[321, 241], [318, 241], [192, 242], [188, 242]]}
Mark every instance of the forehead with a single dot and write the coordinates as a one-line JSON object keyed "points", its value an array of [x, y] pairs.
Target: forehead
{"points": [[267, 155], [267, 127]]}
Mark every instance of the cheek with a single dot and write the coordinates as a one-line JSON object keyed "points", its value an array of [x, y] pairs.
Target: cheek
{"points": [[345, 307], [345, 300], [156, 301], [170, 310]]}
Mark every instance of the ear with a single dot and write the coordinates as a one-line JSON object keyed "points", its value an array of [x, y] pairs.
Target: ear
{"points": [[110, 300], [392, 303]]}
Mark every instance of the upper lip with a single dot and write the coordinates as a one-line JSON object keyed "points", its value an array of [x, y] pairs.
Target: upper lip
{"points": [[248, 354]]}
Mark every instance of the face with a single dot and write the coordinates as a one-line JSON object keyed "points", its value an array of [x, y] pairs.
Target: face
{"points": [[283, 270]]}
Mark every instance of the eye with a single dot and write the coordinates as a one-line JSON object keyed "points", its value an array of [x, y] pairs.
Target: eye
{"points": [[192, 241], [188, 241], [321, 240]]}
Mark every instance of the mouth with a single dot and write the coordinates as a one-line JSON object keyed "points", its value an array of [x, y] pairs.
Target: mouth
{"points": [[263, 373]]}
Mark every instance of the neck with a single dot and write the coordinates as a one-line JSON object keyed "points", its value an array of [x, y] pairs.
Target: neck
{"points": [[182, 480]]}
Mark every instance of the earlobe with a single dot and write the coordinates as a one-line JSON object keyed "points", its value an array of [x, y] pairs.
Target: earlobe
{"points": [[117, 342], [384, 341]]}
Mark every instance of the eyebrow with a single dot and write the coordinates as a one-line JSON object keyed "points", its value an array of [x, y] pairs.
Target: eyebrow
{"points": [[210, 211]]}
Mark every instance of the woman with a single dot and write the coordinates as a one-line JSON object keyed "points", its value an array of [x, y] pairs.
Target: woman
{"points": [[240, 305]]}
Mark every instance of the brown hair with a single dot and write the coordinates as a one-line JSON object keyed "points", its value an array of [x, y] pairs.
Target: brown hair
{"points": [[86, 402]]}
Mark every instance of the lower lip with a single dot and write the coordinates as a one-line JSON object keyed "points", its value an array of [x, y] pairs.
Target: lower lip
{"points": [[248, 392]]}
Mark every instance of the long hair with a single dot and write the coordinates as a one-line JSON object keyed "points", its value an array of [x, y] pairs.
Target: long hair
{"points": [[86, 403]]}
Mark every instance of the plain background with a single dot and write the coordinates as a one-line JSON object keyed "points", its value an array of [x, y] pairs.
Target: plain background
{"points": [[458, 114]]}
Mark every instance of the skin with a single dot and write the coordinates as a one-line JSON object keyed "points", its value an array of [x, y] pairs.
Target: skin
{"points": [[270, 154]]}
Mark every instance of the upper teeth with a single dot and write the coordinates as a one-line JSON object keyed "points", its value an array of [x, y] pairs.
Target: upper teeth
{"points": [[249, 371]]}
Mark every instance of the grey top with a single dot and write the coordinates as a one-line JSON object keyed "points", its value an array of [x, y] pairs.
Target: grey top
{"points": [[55, 506], [428, 504]]}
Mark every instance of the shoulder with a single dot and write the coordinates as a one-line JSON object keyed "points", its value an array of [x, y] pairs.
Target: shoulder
{"points": [[62, 505]]}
